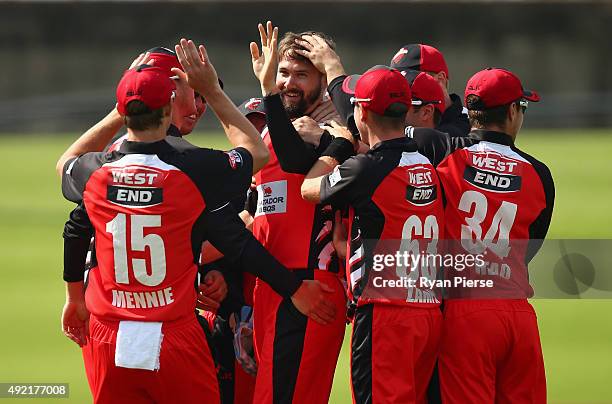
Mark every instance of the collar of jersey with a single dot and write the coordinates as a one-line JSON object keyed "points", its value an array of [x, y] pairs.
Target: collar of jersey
{"points": [[173, 131], [491, 136], [158, 147], [404, 143]]}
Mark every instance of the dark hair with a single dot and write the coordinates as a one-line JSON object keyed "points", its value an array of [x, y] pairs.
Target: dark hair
{"points": [[437, 116], [140, 117], [287, 45], [389, 122], [480, 118]]}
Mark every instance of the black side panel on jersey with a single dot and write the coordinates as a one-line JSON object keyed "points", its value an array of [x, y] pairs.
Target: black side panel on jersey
{"points": [[539, 228], [77, 171], [220, 176], [289, 335], [78, 231], [361, 354], [294, 155]]}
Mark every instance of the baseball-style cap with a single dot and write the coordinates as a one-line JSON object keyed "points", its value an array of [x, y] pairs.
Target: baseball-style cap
{"points": [[425, 89], [166, 59], [252, 106], [423, 58], [381, 89], [496, 87], [149, 84]]}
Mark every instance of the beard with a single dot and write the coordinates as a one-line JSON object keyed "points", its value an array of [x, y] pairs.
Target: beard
{"points": [[305, 101]]}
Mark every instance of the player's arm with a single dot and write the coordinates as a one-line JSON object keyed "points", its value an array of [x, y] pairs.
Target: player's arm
{"points": [[339, 150], [324, 58], [293, 153], [227, 233], [539, 228], [98, 136], [210, 253], [78, 231], [202, 77], [95, 138]]}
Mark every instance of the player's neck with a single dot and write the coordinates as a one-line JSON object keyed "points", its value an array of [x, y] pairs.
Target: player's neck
{"points": [[147, 136], [312, 108], [499, 128], [376, 137]]}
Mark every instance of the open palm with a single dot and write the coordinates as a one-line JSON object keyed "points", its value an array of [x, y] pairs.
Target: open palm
{"points": [[265, 62]]}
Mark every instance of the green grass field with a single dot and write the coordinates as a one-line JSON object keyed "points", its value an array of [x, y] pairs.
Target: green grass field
{"points": [[576, 334]]}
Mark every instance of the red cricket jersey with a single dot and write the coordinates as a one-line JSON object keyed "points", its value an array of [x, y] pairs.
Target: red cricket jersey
{"points": [[148, 204], [296, 232], [499, 204], [395, 208]]}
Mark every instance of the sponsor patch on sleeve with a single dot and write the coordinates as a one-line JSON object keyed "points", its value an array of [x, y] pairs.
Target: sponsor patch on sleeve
{"points": [[235, 159], [335, 176]]}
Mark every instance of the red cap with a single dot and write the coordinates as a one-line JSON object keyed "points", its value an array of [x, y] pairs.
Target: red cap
{"points": [[496, 87], [165, 59], [425, 89], [149, 84], [379, 89], [423, 58]]}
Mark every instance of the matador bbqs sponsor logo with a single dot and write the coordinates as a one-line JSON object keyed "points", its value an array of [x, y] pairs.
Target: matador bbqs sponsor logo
{"points": [[493, 172], [135, 186], [421, 189], [271, 198]]}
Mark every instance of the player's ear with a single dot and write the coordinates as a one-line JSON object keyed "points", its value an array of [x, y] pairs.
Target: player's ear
{"points": [[364, 113]]}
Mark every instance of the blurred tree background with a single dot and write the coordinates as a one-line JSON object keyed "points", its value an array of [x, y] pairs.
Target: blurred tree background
{"points": [[62, 60]]}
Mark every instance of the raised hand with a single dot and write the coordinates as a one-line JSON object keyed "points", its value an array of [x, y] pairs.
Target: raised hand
{"points": [[142, 59], [265, 62], [321, 55], [199, 71]]}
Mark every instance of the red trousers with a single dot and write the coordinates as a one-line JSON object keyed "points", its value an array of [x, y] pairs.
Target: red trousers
{"points": [[491, 353], [393, 353], [296, 357], [186, 373]]}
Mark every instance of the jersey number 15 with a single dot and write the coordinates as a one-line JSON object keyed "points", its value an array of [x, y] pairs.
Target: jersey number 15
{"points": [[118, 228]]}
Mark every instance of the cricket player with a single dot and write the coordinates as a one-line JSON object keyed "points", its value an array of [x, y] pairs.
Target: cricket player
{"points": [[395, 204], [296, 357], [142, 339], [426, 58], [499, 200]]}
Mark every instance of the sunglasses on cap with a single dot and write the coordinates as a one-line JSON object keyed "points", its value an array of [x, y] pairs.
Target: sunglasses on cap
{"points": [[523, 104], [355, 100], [420, 103]]}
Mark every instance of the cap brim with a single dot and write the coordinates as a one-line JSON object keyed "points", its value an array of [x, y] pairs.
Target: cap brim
{"points": [[252, 106], [349, 83], [531, 96], [410, 75]]}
